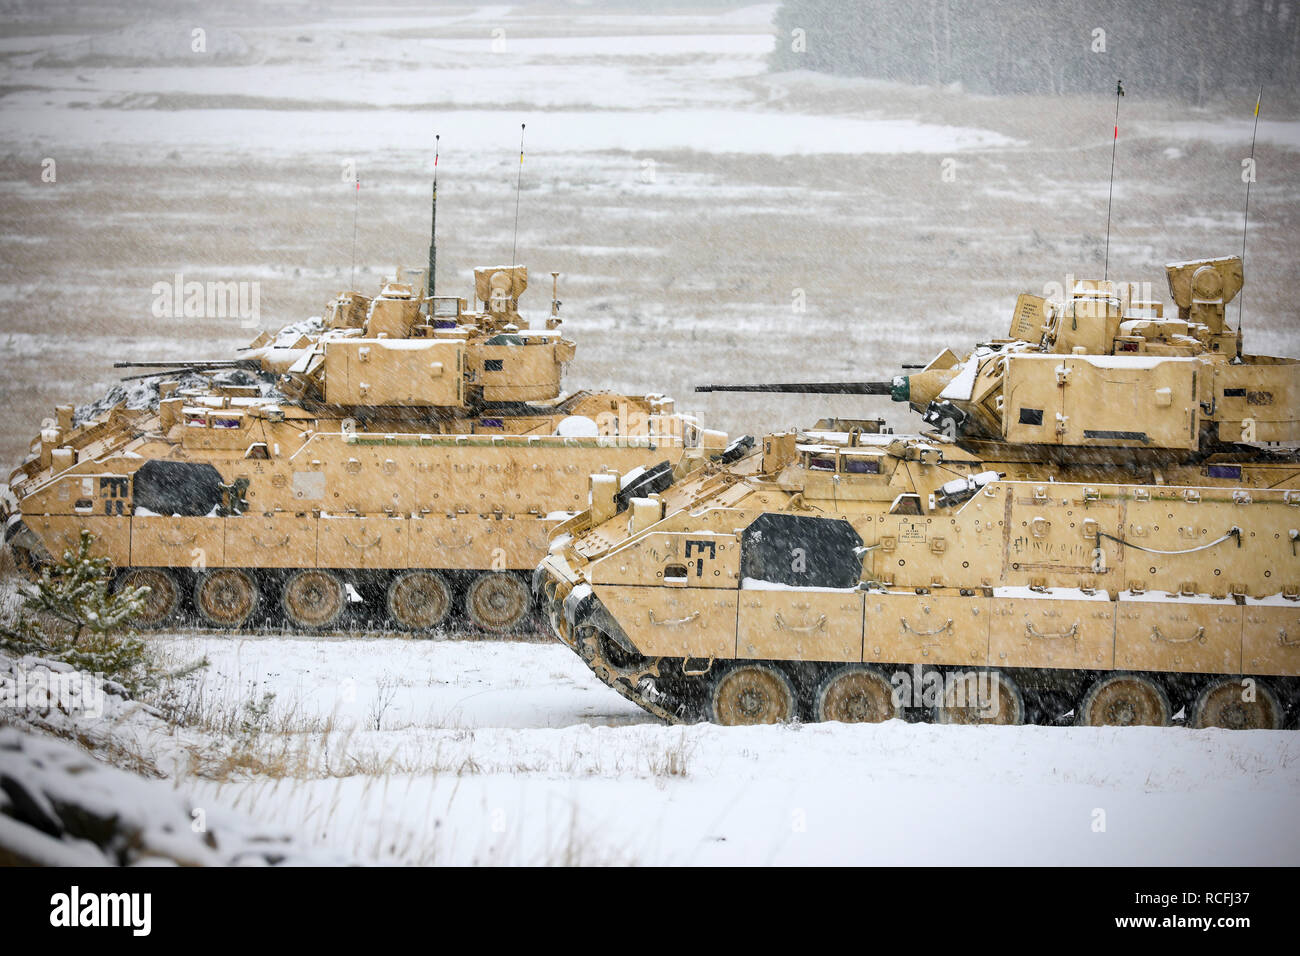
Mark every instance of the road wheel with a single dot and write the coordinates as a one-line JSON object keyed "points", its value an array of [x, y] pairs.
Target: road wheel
{"points": [[162, 600], [753, 694], [971, 699], [855, 695], [313, 598], [226, 597], [418, 600], [1124, 700], [497, 601], [1222, 704]]}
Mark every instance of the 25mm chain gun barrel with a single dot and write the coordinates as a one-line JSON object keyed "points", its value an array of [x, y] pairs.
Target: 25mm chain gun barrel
{"points": [[215, 363], [919, 390], [812, 388], [181, 368]]}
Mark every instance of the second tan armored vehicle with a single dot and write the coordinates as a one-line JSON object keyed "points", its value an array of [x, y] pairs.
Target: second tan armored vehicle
{"points": [[1101, 526], [407, 455]]}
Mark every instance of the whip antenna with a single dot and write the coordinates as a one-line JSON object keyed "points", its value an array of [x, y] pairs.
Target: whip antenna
{"points": [[433, 227], [1250, 178], [1119, 92], [356, 203], [518, 184]]}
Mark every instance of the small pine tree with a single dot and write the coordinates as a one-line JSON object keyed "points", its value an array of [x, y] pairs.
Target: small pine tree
{"points": [[73, 615]]}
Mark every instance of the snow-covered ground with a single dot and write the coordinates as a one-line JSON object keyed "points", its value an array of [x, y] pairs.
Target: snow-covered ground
{"points": [[475, 752], [61, 806], [466, 751]]}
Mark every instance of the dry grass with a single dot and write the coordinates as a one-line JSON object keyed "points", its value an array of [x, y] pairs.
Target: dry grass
{"points": [[236, 730], [338, 753]]}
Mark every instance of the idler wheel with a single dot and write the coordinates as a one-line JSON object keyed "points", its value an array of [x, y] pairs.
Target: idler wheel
{"points": [[1223, 704], [313, 598], [163, 597], [990, 689], [855, 695], [753, 694], [226, 597], [418, 600], [1125, 700], [602, 652], [497, 601]]}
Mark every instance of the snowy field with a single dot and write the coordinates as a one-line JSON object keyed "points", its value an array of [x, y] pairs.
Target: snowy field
{"points": [[469, 752], [689, 198], [461, 752]]}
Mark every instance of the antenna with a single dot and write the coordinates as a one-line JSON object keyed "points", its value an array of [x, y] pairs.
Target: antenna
{"points": [[1250, 178], [518, 183], [554, 320], [1119, 92], [433, 227], [356, 202]]}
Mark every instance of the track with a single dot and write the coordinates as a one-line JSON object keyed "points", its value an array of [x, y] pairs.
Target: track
{"points": [[294, 602], [664, 688]]}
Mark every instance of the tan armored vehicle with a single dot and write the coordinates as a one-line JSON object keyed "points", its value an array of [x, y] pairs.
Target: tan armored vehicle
{"points": [[1098, 528], [405, 455]]}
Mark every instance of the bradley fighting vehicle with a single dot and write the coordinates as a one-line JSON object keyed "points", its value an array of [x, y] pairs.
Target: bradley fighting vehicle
{"points": [[1099, 524], [407, 451]]}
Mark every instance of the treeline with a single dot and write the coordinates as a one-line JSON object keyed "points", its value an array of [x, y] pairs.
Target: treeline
{"points": [[1188, 50]]}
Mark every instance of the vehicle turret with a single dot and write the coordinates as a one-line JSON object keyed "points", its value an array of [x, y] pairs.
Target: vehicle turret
{"points": [[1104, 367], [404, 350]]}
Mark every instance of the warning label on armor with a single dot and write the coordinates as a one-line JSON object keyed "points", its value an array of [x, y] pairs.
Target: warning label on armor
{"points": [[1029, 318], [913, 531]]}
